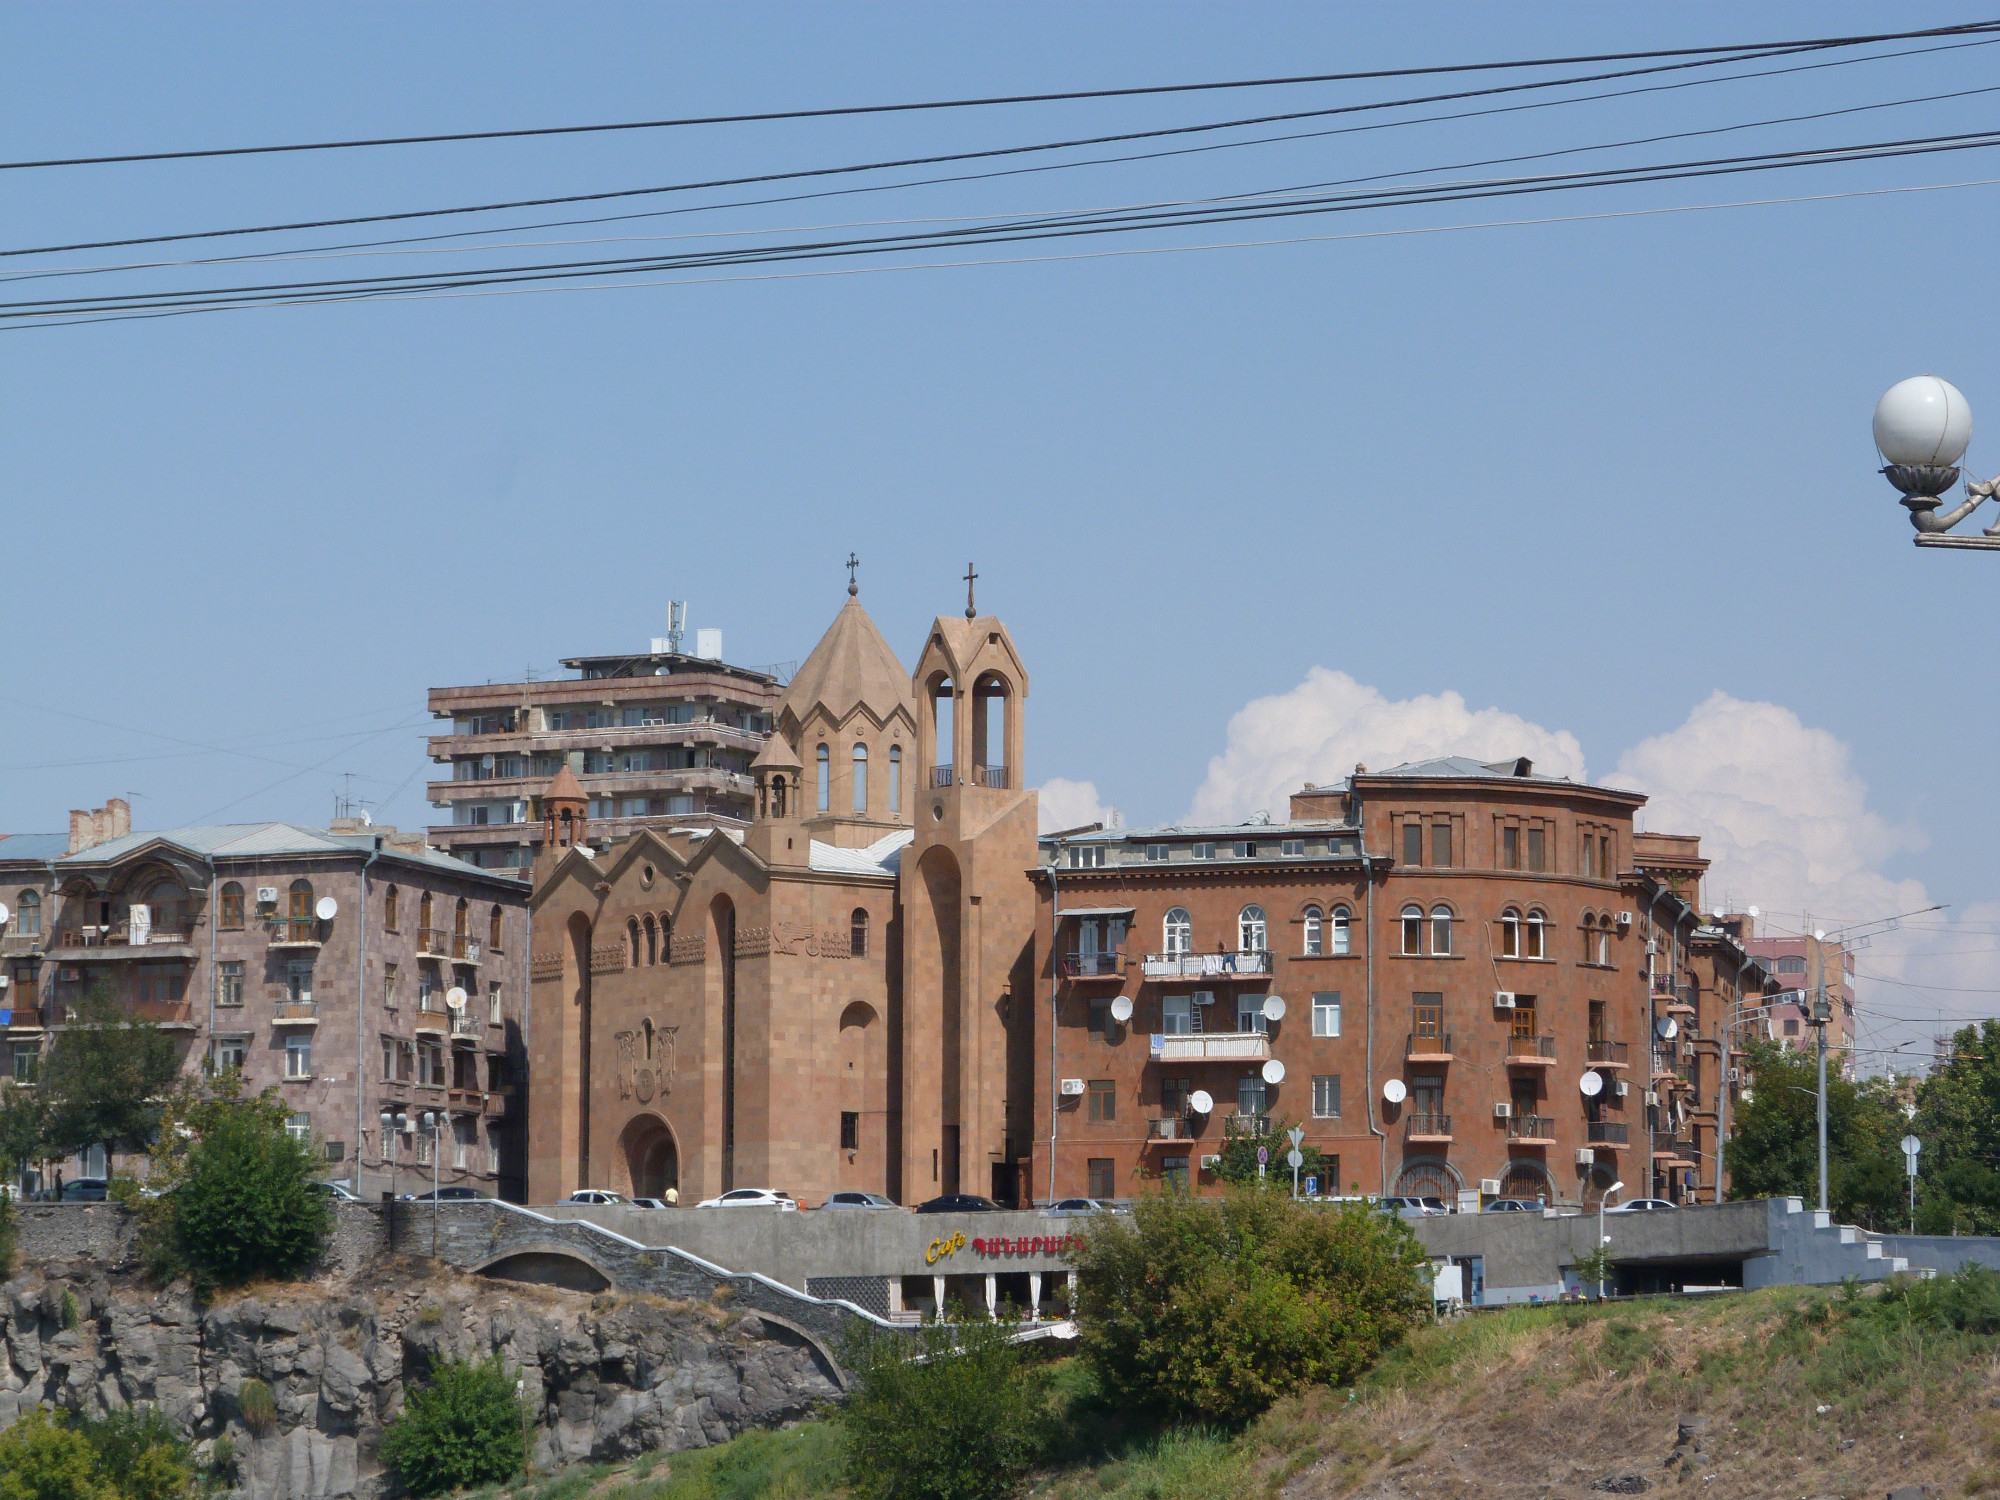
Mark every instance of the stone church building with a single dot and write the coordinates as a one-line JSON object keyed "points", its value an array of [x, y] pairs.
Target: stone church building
{"points": [[840, 995]]}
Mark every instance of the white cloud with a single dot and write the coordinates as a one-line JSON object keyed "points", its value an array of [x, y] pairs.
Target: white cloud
{"points": [[1071, 804], [1327, 724]]}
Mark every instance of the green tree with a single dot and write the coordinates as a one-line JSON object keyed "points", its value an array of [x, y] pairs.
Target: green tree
{"points": [[465, 1427], [1774, 1139], [43, 1458], [1206, 1309], [1958, 1120], [140, 1455], [103, 1080], [1239, 1161], [953, 1414]]}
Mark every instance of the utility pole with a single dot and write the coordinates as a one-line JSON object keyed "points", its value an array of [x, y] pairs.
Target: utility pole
{"points": [[1819, 1020]]}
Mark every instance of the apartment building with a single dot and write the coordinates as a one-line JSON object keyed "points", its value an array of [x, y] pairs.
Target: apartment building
{"points": [[319, 962], [1800, 962], [658, 739]]}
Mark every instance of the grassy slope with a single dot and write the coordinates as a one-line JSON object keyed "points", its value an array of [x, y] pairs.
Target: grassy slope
{"points": [[1531, 1403]]}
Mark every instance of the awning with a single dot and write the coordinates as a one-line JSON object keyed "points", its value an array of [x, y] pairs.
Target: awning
{"points": [[1097, 911]]}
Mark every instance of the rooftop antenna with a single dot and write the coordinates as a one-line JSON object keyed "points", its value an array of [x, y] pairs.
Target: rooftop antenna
{"points": [[677, 618]]}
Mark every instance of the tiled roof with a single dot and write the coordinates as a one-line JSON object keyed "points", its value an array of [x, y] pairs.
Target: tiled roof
{"points": [[883, 857]]}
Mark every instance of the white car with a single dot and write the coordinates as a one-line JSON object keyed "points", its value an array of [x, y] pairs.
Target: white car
{"points": [[651, 1203], [1644, 1206], [859, 1200], [596, 1197], [1069, 1208], [753, 1198]]}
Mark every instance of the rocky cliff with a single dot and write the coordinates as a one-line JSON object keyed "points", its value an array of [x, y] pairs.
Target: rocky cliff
{"points": [[605, 1376]]}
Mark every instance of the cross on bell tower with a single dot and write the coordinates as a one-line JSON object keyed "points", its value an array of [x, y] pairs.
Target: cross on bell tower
{"points": [[970, 576], [853, 562]]}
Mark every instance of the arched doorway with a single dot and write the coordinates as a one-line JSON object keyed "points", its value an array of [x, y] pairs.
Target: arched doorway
{"points": [[1527, 1179], [1428, 1179], [1595, 1185], [652, 1160]]}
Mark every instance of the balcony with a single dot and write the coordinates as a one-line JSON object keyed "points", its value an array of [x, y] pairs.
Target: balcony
{"points": [[496, 1105], [1093, 966], [1168, 1128], [1531, 1052], [1608, 1133], [168, 1015], [465, 1024], [1427, 1049], [1242, 1126], [1531, 1130], [433, 942], [294, 932], [1207, 965], [295, 1013], [115, 941], [465, 1101], [464, 950], [1213, 1046], [1609, 1055], [1427, 1128]]}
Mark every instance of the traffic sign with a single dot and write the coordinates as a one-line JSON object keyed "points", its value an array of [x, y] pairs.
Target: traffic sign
{"points": [[1263, 1155], [1295, 1135], [1911, 1146], [1295, 1159], [1312, 1187]]}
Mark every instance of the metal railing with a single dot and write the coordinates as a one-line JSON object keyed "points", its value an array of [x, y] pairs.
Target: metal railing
{"points": [[1207, 965], [1092, 965], [295, 1010], [1169, 1128], [941, 776], [1245, 1126], [993, 776], [465, 1023], [434, 940], [465, 948], [1428, 1046], [1531, 1048], [1426, 1123], [1609, 1052], [1608, 1132], [1531, 1128], [294, 930], [118, 935]]}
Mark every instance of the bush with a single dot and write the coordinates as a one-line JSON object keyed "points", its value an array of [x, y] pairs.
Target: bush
{"points": [[953, 1414], [258, 1407], [465, 1428], [140, 1455], [42, 1458], [1208, 1310], [7, 1236], [243, 1203]]}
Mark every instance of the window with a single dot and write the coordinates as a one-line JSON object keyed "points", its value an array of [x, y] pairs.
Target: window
{"points": [[1315, 931], [1510, 933], [389, 1054], [1413, 929], [895, 778], [27, 1061], [232, 905], [1604, 946], [388, 986], [1522, 1019], [1174, 1173], [28, 914], [1427, 1019], [1340, 931], [299, 981], [1250, 1095], [1177, 1015], [1791, 963], [1086, 856], [299, 1056], [1103, 1177], [389, 909], [1250, 931], [300, 1128], [1326, 1014], [1413, 842], [861, 778], [632, 941], [1538, 853], [427, 983], [1177, 932], [495, 1012], [1103, 1099], [652, 940], [1538, 946], [1250, 1013], [430, 1064], [1245, 849], [1792, 1027], [425, 911], [1293, 847], [1604, 855], [1100, 1020], [1441, 845], [1174, 1095], [1441, 930], [824, 758], [1326, 1096], [406, 1061], [1202, 851], [857, 933], [1510, 848], [302, 903], [493, 925], [229, 982], [1156, 851], [850, 1130]]}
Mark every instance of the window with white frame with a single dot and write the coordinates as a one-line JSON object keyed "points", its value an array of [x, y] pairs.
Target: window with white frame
{"points": [[299, 981], [1156, 851], [861, 778], [299, 1056], [1326, 1096], [464, 1139], [1315, 936], [1340, 936], [1177, 1015], [1604, 946], [1293, 847], [300, 1128], [1250, 1013], [1250, 1095], [1537, 935], [1441, 929], [1202, 851], [229, 982], [1510, 933], [1250, 930], [493, 1008], [1413, 929], [1177, 932], [1086, 856], [1326, 1013], [228, 1054]]}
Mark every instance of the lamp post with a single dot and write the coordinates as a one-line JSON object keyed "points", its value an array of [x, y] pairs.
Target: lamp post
{"points": [[434, 1123], [1616, 1187], [1922, 428]]}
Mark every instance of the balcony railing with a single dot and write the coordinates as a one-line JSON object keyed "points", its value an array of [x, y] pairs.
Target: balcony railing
{"points": [[941, 777], [1531, 1049], [1609, 1054], [1245, 1126], [1608, 1133], [294, 932], [1169, 1128], [465, 1023], [1438, 1046], [1207, 965], [434, 941], [1093, 965], [993, 776], [465, 949], [118, 935], [1426, 1126], [295, 1010], [1212, 1046], [1531, 1128]]}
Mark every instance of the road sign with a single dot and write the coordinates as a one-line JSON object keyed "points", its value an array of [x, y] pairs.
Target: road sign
{"points": [[1312, 1187], [1295, 1159], [1296, 1135], [1263, 1155], [1911, 1146]]}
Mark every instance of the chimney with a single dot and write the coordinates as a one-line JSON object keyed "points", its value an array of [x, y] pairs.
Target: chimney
{"points": [[88, 829]]}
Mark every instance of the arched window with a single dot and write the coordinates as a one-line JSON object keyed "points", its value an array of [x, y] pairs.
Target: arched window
{"points": [[1538, 944], [857, 933], [1315, 931], [232, 905], [426, 913], [861, 778], [632, 936], [652, 941], [389, 909], [777, 796], [461, 919], [825, 758], [1250, 932], [168, 900], [568, 828], [1413, 929], [1177, 932], [895, 779], [301, 910], [493, 930], [29, 913], [1341, 933], [1510, 933], [1604, 943], [1440, 929]]}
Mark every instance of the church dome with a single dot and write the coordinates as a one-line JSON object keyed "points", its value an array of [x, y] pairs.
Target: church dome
{"points": [[851, 667]]}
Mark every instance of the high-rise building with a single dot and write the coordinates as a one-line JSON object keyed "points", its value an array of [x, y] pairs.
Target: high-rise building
{"points": [[657, 739]]}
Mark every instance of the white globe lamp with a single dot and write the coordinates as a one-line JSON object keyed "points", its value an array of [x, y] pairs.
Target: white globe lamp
{"points": [[1923, 422]]}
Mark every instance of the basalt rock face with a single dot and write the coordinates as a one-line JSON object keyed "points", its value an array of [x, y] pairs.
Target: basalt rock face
{"points": [[604, 1376]]}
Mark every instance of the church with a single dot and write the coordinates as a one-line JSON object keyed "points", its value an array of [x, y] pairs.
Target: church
{"points": [[839, 996]]}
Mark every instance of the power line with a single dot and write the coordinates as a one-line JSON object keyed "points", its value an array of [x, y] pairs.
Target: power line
{"points": [[767, 116]]}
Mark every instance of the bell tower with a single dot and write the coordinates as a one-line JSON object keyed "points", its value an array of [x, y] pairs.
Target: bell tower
{"points": [[565, 818], [778, 837]]}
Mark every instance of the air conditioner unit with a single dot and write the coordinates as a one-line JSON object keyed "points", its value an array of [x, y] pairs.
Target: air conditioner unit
{"points": [[1072, 1087], [1624, 919], [1503, 999], [1735, 1075], [1503, 1111], [1687, 1049], [1620, 1089], [1204, 997], [1210, 1163], [1652, 945], [1652, 1097], [267, 895], [1490, 1186], [1585, 1157]]}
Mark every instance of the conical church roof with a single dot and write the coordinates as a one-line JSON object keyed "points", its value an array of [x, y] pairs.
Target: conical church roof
{"points": [[851, 666], [565, 786]]}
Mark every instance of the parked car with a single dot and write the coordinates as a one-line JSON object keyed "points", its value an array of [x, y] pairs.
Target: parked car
{"points": [[1416, 1208], [650, 1203], [959, 1203], [859, 1200], [1064, 1208], [596, 1197], [443, 1195], [1513, 1206], [753, 1198], [85, 1190], [338, 1191], [1644, 1206]]}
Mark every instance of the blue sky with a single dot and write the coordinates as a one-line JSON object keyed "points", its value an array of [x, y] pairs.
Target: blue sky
{"points": [[1587, 474]]}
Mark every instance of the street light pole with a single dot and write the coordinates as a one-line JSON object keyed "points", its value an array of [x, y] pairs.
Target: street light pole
{"points": [[433, 1121], [1922, 428], [1601, 1240]]}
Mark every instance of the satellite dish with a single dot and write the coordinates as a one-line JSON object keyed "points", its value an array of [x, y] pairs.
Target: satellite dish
{"points": [[1591, 1084], [3, 913], [455, 998], [1199, 1102], [1667, 1027], [1750, 911], [1274, 1007], [327, 908], [1121, 1009], [1394, 1091], [1274, 1071]]}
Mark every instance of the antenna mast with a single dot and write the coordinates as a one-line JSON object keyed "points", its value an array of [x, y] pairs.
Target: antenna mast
{"points": [[677, 618]]}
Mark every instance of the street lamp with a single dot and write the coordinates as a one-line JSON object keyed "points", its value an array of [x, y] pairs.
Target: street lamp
{"points": [[1922, 427], [1616, 1187]]}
